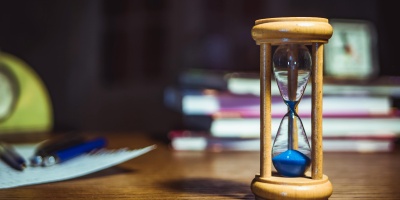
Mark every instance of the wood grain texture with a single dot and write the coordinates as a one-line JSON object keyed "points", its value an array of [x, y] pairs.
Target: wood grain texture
{"points": [[265, 110], [165, 174], [292, 30], [295, 188], [316, 110]]}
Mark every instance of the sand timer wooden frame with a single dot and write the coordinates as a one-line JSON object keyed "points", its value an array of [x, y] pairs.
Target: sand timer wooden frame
{"points": [[313, 32]]}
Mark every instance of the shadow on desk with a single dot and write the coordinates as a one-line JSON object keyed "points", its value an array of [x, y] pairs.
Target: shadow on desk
{"points": [[210, 186], [112, 171]]}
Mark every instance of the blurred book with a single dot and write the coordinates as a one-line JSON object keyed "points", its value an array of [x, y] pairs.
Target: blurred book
{"points": [[211, 102], [203, 78], [249, 83], [186, 140], [229, 109], [332, 127]]}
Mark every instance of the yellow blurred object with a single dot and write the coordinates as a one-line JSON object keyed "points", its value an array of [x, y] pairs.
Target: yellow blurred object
{"points": [[25, 104]]}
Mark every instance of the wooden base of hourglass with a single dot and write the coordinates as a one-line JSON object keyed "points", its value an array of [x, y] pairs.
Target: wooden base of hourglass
{"points": [[276, 187]]}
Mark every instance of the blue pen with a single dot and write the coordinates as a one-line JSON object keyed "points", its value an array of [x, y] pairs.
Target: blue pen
{"points": [[53, 145], [74, 151]]}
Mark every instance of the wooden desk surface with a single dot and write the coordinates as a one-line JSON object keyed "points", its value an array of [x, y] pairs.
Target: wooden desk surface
{"points": [[165, 174]]}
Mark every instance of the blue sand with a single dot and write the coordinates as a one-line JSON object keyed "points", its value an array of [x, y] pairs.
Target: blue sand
{"points": [[291, 163]]}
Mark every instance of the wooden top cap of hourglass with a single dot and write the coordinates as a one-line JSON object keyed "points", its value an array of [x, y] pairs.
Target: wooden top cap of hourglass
{"points": [[292, 30]]}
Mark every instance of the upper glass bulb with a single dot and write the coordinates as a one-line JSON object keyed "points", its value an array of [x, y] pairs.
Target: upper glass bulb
{"points": [[292, 67]]}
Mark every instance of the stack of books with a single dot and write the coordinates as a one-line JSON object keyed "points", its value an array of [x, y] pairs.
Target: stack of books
{"points": [[227, 117]]}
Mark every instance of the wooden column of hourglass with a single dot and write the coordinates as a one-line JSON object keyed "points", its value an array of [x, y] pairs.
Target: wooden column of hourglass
{"points": [[314, 32]]}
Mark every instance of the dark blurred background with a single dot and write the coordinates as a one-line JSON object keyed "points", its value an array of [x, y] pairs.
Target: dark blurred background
{"points": [[106, 63]]}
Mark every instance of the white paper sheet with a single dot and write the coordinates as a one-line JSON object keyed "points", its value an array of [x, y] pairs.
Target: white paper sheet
{"points": [[79, 166]]}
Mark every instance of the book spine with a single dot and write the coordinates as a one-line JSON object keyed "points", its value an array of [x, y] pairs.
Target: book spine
{"points": [[200, 141], [250, 127]]}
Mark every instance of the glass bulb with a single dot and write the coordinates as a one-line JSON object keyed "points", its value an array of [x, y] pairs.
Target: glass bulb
{"points": [[291, 152], [292, 68]]}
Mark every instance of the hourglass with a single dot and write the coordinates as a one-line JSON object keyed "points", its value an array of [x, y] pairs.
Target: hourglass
{"points": [[298, 164]]}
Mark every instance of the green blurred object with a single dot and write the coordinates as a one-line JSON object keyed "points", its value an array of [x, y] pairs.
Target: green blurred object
{"points": [[25, 104]]}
